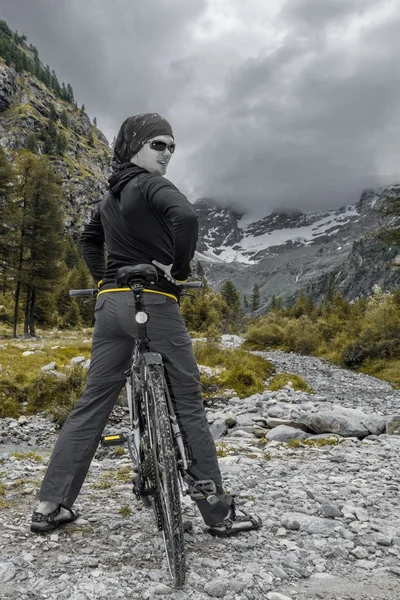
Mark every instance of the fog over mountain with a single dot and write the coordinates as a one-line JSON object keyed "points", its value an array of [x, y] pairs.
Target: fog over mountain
{"points": [[274, 105]]}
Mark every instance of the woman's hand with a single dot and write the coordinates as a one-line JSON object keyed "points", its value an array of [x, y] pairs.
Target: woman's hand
{"points": [[166, 269]]}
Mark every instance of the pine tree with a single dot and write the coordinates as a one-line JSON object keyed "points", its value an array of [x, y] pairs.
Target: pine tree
{"points": [[95, 121], [6, 217], [233, 312], [72, 318], [83, 108], [200, 269], [64, 94], [276, 303], [204, 311], [255, 298], [52, 112], [61, 144], [64, 118], [70, 93], [31, 142], [39, 233]]}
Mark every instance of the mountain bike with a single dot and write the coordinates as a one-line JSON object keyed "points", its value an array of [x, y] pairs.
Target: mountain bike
{"points": [[154, 440]]}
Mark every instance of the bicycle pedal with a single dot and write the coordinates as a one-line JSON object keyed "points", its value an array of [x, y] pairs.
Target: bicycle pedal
{"points": [[113, 440]]}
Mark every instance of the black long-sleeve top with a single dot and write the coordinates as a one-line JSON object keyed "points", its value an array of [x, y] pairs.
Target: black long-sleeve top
{"points": [[151, 220]]}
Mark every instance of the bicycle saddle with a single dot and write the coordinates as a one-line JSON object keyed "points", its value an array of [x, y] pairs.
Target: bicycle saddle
{"points": [[144, 273]]}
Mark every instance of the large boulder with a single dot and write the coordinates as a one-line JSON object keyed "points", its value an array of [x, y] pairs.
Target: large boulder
{"points": [[347, 422], [283, 433]]}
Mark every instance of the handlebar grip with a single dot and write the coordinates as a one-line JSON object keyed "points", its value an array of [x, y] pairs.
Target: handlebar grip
{"points": [[89, 292], [192, 284]]}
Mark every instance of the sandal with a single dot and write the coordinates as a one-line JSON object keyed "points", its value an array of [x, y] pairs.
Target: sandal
{"points": [[234, 523], [41, 523]]}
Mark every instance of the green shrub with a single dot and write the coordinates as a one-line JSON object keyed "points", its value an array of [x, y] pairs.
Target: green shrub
{"points": [[47, 393], [57, 396], [298, 383], [267, 332], [356, 354], [242, 372]]}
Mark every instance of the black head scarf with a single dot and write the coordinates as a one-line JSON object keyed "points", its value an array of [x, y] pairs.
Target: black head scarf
{"points": [[133, 134]]}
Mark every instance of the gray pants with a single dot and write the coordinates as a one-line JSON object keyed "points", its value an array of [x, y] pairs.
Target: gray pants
{"points": [[114, 334]]}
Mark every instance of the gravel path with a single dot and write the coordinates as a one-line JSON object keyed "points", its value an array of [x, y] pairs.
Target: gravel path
{"points": [[331, 512]]}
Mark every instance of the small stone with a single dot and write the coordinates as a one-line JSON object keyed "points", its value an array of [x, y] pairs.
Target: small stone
{"points": [[7, 572], [259, 432], [359, 552], [162, 589], [383, 540], [76, 360], [329, 511], [361, 514], [217, 588], [230, 419], [277, 596], [49, 367], [393, 425]]}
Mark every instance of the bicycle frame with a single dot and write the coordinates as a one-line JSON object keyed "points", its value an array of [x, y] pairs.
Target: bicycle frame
{"points": [[136, 389]]}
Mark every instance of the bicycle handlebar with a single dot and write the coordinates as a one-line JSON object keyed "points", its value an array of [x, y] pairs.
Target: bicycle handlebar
{"points": [[83, 292], [191, 284]]}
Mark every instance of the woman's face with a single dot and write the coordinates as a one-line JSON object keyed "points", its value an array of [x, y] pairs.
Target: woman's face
{"points": [[155, 157]]}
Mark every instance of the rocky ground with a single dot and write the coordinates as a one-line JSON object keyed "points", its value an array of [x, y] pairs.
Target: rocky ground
{"points": [[329, 503]]}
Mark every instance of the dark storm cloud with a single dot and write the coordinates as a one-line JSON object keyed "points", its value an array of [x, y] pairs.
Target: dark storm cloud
{"points": [[312, 123], [297, 107]]}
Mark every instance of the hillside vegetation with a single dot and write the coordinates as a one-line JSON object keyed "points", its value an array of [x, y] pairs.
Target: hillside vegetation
{"points": [[362, 335]]}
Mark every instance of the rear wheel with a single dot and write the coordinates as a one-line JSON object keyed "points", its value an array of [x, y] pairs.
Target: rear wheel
{"points": [[167, 501]]}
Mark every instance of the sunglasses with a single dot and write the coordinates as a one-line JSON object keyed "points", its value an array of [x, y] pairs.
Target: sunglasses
{"points": [[160, 146]]}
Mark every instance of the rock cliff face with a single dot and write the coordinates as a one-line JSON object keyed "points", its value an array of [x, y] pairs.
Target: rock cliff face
{"points": [[25, 106]]}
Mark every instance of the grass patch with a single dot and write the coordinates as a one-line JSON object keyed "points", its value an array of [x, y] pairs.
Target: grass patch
{"points": [[222, 450], [242, 372], [125, 511], [2, 489], [320, 442], [124, 474], [6, 504], [388, 370], [28, 456], [103, 483], [298, 383], [119, 451], [31, 391]]}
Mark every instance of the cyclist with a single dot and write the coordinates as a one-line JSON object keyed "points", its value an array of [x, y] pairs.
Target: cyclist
{"points": [[142, 219]]}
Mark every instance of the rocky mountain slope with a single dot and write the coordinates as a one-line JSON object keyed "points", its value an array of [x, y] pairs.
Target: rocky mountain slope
{"points": [[25, 107], [284, 252]]}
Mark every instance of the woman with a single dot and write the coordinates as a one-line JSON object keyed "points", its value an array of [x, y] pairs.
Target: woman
{"points": [[143, 218]]}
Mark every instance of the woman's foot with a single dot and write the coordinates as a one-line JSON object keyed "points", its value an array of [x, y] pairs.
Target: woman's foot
{"points": [[50, 515], [237, 521]]}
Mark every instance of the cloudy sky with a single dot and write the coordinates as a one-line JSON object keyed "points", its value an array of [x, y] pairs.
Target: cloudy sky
{"points": [[274, 104]]}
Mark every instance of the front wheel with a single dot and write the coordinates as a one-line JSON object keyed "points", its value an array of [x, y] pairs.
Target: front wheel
{"points": [[167, 496]]}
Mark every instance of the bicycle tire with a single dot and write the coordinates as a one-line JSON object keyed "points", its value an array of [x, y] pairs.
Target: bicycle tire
{"points": [[167, 490]]}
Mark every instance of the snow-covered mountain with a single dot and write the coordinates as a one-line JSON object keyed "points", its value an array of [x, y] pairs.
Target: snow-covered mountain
{"points": [[286, 251]]}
